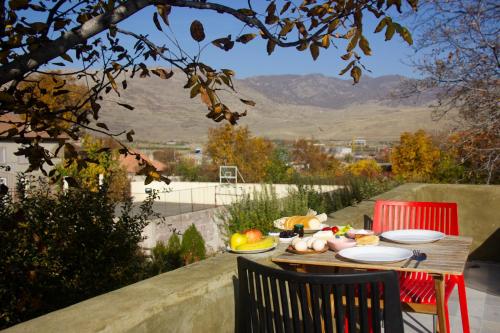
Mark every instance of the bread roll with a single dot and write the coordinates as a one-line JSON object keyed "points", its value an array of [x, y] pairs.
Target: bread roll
{"points": [[367, 240], [309, 222]]}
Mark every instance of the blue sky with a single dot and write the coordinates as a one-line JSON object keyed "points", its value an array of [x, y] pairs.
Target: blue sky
{"points": [[252, 59]]}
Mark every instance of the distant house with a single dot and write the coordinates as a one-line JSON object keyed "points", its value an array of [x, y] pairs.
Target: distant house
{"points": [[342, 152], [359, 142], [11, 164], [131, 164]]}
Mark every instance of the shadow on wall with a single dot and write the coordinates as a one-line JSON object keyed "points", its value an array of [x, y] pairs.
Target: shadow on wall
{"points": [[489, 250]]}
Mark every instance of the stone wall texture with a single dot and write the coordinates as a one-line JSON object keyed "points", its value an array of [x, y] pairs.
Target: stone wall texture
{"points": [[206, 221]]}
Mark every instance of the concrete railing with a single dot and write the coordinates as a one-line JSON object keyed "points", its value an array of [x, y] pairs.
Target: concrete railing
{"points": [[215, 194], [201, 298]]}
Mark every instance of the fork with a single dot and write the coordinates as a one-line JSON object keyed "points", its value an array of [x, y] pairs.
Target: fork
{"points": [[415, 255], [421, 257]]}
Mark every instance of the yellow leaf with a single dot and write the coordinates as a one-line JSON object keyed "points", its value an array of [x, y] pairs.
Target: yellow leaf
{"points": [[287, 28], [325, 41], [353, 42], [195, 90], [365, 46], [113, 82]]}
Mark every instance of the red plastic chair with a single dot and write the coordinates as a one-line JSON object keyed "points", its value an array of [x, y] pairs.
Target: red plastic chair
{"points": [[418, 288]]}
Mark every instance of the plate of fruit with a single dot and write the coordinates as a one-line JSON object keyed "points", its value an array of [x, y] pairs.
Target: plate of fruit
{"points": [[250, 241], [307, 245]]}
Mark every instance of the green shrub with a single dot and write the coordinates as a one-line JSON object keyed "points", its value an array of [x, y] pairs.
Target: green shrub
{"points": [[174, 251], [192, 246], [59, 249], [165, 258]]}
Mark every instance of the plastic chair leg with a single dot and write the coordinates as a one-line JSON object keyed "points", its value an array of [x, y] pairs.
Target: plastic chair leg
{"points": [[447, 317], [462, 298]]}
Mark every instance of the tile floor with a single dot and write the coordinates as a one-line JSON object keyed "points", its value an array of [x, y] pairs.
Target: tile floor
{"points": [[483, 299]]}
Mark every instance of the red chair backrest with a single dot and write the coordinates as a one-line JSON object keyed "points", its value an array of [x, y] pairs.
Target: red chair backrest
{"points": [[438, 216]]}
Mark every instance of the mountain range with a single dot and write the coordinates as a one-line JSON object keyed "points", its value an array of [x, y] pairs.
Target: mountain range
{"points": [[287, 107]]}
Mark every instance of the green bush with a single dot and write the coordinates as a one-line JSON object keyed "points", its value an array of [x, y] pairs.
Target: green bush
{"points": [[192, 246], [174, 251], [59, 249], [165, 258], [254, 211]]}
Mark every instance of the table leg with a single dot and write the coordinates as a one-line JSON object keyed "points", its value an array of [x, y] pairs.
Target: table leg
{"points": [[439, 286]]}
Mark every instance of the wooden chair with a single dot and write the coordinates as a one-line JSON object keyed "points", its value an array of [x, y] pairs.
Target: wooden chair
{"points": [[275, 300], [417, 289]]}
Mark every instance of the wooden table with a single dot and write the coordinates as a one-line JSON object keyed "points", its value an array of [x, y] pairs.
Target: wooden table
{"points": [[446, 256]]}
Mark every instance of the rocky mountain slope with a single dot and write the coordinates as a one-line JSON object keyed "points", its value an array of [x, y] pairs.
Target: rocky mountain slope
{"points": [[288, 107]]}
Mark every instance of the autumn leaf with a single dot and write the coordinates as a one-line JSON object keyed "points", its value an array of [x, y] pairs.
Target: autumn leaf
{"points": [[381, 25], [164, 11], [247, 102], [314, 50], [66, 57], [342, 72], [353, 42], [156, 22], [285, 7], [130, 137], [325, 41], [205, 97], [113, 82], [356, 73], [270, 46], [286, 28], [245, 38], [365, 46], [102, 125], [127, 106], [223, 43], [197, 31], [195, 90], [333, 25], [228, 72], [162, 73], [389, 32]]}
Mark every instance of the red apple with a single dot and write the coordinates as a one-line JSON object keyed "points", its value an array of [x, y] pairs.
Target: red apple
{"points": [[253, 235]]}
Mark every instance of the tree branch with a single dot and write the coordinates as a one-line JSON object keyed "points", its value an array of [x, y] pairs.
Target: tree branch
{"points": [[25, 63], [53, 49]]}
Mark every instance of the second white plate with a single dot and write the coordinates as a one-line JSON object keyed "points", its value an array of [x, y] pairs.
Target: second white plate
{"points": [[413, 236], [376, 254]]}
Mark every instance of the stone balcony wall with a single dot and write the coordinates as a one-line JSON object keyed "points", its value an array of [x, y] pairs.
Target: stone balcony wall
{"points": [[200, 297]]}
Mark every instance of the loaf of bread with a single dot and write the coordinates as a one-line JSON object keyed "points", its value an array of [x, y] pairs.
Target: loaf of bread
{"points": [[367, 240], [309, 222]]}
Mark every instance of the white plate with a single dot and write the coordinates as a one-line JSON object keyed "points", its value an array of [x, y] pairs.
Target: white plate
{"points": [[228, 249], [287, 240], [413, 236], [376, 254]]}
